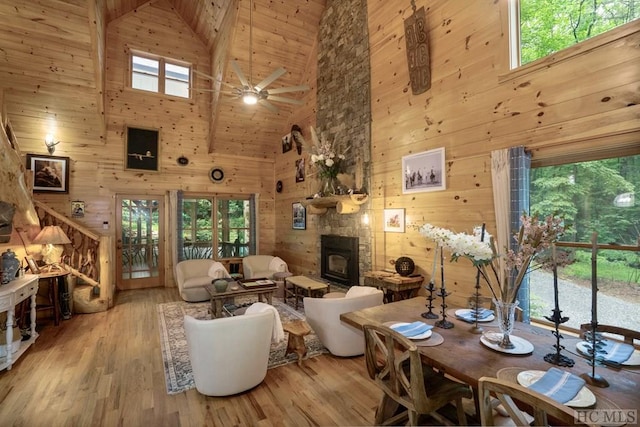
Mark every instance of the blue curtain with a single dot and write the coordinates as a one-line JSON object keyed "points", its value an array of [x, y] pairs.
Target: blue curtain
{"points": [[179, 236], [519, 169]]}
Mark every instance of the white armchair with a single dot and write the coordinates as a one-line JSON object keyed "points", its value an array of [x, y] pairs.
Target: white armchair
{"points": [[193, 275], [323, 315], [229, 355], [254, 266]]}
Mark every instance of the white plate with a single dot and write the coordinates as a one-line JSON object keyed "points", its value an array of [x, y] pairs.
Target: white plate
{"points": [[634, 360], [422, 336], [583, 399], [464, 311], [492, 340]]}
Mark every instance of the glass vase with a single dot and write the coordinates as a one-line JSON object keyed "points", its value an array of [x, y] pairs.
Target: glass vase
{"points": [[505, 314], [327, 186]]}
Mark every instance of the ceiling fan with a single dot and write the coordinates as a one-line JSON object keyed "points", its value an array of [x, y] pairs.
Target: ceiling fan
{"points": [[258, 94]]}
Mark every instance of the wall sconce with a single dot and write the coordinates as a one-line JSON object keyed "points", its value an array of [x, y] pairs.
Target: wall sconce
{"points": [[51, 143]]}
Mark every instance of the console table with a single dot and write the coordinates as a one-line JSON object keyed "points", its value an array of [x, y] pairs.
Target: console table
{"points": [[395, 286], [11, 295]]}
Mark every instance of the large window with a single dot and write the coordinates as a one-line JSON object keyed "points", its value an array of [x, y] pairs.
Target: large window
{"points": [[230, 222], [160, 75], [548, 26], [594, 197]]}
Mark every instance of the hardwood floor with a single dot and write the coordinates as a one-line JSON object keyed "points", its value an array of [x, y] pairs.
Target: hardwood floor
{"points": [[105, 369]]}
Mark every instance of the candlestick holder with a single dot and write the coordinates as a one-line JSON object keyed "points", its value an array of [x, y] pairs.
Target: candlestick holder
{"points": [[557, 358], [430, 314], [593, 348], [476, 329], [444, 323]]}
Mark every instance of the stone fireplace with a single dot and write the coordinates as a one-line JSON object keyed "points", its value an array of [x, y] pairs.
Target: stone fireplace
{"points": [[339, 259]]}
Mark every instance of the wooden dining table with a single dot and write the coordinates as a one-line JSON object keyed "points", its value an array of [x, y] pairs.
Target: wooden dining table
{"points": [[461, 354]]}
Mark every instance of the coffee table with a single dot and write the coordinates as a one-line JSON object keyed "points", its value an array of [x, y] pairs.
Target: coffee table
{"points": [[236, 289], [302, 286]]}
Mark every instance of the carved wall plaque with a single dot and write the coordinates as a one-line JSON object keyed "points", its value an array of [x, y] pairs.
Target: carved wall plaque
{"points": [[415, 34]]}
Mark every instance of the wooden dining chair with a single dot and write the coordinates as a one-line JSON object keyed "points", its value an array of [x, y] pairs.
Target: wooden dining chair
{"points": [[628, 335], [394, 363], [509, 393]]}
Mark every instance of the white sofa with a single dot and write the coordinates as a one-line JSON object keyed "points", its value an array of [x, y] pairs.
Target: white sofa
{"points": [[323, 315], [229, 355], [193, 275], [257, 266]]}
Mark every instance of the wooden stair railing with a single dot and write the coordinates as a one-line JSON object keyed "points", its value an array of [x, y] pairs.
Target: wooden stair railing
{"points": [[88, 257]]}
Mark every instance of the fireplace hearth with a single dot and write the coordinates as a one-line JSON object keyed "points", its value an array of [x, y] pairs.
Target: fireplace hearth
{"points": [[339, 259]]}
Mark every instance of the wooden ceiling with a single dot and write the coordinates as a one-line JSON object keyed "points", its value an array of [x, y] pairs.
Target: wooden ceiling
{"points": [[52, 60]]}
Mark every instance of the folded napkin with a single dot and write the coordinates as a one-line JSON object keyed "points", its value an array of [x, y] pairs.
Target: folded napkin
{"points": [[471, 315], [615, 352], [559, 385], [412, 329]]}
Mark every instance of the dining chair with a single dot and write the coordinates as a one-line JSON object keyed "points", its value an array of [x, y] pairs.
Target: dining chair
{"points": [[394, 363], [508, 393], [628, 335]]}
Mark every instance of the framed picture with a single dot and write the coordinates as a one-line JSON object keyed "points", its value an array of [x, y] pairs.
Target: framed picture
{"points": [[77, 209], [299, 216], [300, 170], [394, 220], [142, 149], [33, 267], [287, 143], [424, 172], [50, 173]]}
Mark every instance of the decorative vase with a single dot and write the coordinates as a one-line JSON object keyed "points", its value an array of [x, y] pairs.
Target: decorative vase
{"points": [[220, 285], [505, 313], [10, 266], [404, 266], [328, 186]]}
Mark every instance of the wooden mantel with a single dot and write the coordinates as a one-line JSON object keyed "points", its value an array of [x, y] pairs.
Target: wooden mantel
{"points": [[346, 204]]}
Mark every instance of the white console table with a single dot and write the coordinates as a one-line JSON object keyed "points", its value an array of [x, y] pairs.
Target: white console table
{"points": [[11, 295]]}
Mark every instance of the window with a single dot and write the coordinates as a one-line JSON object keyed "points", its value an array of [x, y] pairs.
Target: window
{"points": [[232, 224], [160, 75], [594, 196], [550, 26]]}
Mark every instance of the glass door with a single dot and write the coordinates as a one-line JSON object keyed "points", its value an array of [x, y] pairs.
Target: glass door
{"points": [[139, 249]]}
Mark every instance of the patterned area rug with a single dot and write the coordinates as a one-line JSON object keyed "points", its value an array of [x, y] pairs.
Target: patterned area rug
{"points": [[177, 367]]}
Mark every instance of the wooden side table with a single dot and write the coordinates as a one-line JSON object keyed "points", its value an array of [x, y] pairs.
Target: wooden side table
{"points": [[395, 286], [302, 286], [297, 330]]}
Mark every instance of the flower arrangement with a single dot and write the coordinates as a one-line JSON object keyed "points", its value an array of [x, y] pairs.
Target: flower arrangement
{"points": [[325, 157], [533, 237]]}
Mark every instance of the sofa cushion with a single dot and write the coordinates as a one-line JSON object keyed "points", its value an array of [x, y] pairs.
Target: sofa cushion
{"points": [[196, 282]]}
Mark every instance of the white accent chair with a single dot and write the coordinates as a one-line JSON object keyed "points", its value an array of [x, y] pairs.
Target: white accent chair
{"points": [[229, 355], [193, 275], [258, 266], [323, 315]]}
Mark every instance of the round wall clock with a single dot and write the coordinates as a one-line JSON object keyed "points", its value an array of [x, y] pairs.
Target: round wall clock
{"points": [[216, 175], [279, 186]]}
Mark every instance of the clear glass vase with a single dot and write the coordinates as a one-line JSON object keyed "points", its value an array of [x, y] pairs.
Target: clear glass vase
{"points": [[328, 186], [505, 314]]}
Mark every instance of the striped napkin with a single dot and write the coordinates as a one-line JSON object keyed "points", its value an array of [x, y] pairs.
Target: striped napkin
{"points": [[559, 385], [471, 314], [615, 352], [411, 329]]}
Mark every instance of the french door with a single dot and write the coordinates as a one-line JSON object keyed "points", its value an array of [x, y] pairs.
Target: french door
{"points": [[140, 244]]}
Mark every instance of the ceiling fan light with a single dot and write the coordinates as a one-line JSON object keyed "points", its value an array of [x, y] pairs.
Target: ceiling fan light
{"points": [[250, 98]]}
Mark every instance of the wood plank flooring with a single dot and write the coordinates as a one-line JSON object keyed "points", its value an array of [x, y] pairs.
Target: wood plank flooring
{"points": [[105, 369]]}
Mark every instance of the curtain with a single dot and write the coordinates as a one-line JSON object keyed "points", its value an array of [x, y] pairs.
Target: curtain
{"points": [[520, 168], [254, 201], [175, 222]]}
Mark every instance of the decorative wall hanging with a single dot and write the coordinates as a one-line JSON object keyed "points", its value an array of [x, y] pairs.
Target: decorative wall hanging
{"points": [[182, 161], [424, 172], [299, 216], [216, 175], [394, 220], [296, 137], [286, 143], [417, 41], [77, 209], [300, 170], [279, 186], [142, 149], [51, 174]]}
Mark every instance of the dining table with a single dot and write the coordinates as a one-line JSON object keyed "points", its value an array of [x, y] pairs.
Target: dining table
{"points": [[459, 352]]}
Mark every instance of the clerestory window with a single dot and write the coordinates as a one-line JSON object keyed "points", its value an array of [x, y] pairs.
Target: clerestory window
{"points": [[160, 75]]}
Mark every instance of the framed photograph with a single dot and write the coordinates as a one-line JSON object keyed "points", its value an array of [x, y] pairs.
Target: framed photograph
{"points": [[142, 149], [33, 267], [50, 173], [394, 220], [287, 143], [300, 170], [299, 216], [77, 209], [424, 172]]}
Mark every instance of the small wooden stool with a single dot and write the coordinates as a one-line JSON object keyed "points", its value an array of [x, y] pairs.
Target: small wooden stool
{"points": [[297, 331]]}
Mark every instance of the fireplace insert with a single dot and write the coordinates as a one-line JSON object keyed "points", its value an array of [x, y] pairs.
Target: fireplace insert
{"points": [[339, 259]]}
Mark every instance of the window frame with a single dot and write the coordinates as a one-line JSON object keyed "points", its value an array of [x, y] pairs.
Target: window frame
{"points": [[162, 75]]}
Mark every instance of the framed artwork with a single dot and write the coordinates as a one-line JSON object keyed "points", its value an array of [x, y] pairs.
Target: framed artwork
{"points": [[299, 216], [300, 170], [142, 149], [394, 220], [33, 267], [77, 209], [50, 173], [423, 172], [287, 143]]}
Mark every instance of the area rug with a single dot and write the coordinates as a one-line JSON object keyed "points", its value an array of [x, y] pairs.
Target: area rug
{"points": [[177, 367]]}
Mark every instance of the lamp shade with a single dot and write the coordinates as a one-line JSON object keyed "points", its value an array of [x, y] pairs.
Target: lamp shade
{"points": [[51, 235]]}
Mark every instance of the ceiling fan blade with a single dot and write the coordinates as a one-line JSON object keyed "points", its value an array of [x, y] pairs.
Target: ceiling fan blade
{"points": [[266, 82], [238, 71], [288, 89], [213, 79], [286, 100], [268, 105]]}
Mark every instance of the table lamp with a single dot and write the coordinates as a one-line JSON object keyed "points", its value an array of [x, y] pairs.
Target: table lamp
{"points": [[52, 237]]}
